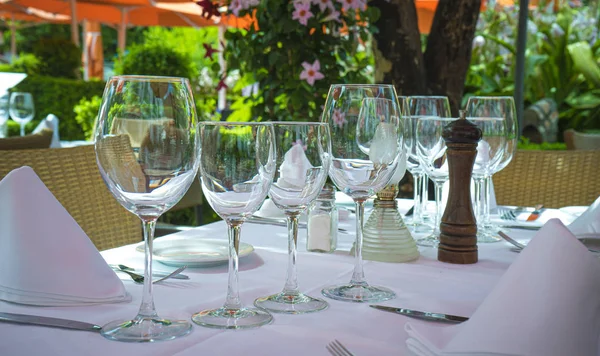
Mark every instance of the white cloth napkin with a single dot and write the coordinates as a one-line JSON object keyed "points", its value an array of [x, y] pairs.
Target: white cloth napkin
{"points": [[294, 169], [588, 222], [547, 303], [46, 259], [50, 123]]}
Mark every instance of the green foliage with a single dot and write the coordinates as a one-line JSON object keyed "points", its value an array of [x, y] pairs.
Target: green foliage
{"points": [[58, 58], [524, 144], [562, 60], [26, 63], [59, 96], [86, 114], [155, 59], [272, 53]]}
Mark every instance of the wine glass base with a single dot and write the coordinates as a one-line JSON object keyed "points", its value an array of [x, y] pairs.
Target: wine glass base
{"points": [[146, 329], [225, 318], [429, 241], [488, 236], [291, 303], [359, 293], [419, 228]]}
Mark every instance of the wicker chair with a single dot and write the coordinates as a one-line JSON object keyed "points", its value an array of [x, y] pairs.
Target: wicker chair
{"points": [[552, 178], [72, 175]]}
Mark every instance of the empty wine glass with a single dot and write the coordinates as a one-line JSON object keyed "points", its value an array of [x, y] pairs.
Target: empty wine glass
{"points": [[366, 147], [237, 166], [503, 107], [150, 179], [431, 149], [421, 106], [21, 109], [303, 159], [3, 114], [490, 151]]}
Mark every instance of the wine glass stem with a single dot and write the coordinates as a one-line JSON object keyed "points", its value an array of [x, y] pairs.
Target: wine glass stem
{"points": [[479, 203], [147, 309], [417, 190], [22, 129], [233, 294], [439, 186], [425, 193], [291, 280], [486, 199], [358, 276]]}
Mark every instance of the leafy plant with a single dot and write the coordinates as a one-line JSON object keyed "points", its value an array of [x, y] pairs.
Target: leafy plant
{"points": [[295, 50], [86, 114], [58, 58], [155, 59]]}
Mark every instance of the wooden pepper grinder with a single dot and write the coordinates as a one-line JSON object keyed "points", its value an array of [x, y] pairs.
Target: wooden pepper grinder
{"points": [[458, 237]]}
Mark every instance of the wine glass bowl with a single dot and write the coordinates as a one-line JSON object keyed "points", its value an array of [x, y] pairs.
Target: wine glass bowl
{"points": [[147, 176], [303, 160], [21, 109], [366, 147], [237, 166]]}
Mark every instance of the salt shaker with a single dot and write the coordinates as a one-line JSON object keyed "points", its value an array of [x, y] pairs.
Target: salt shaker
{"points": [[323, 222]]}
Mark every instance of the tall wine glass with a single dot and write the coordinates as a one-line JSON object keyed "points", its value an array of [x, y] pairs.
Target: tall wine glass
{"points": [[237, 166], [431, 149], [21, 109], [503, 107], [303, 159], [490, 151], [147, 180], [421, 106], [366, 146]]}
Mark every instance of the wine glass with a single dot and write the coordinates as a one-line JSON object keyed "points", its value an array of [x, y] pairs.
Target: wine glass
{"points": [[503, 107], [21, 109], [431, 149], [303, 159], [490, 151], [366, 147], [150, 179], [237, 166], [421, 106], [3, 114]]}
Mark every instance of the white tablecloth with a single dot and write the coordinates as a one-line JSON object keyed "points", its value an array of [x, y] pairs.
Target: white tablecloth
{"points": [[425, 284]]}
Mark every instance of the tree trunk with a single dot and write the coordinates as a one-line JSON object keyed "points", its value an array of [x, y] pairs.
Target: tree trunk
{"points": [[397, 47], [449, 46]]}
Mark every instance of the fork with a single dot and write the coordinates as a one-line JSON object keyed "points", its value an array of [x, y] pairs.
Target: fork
{"points": [[138, 278], [337, 349]]}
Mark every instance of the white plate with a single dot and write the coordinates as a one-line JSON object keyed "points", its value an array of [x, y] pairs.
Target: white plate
{"points": [[194, 252], [574, 210]]}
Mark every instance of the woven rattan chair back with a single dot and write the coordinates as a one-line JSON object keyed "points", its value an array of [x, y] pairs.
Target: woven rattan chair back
{"points": [[72, 175], [553, 178]]}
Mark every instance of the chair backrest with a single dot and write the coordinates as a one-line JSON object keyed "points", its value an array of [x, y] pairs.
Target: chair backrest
{"points": [[72, 175], [33, 141], [553, 178]]}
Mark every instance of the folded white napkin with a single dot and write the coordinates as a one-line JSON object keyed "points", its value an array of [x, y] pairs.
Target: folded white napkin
{"points": [[588, 222], [547, 303], [50, 123], [46, 259]]}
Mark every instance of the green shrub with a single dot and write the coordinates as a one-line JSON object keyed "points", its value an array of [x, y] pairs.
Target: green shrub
{"points": [[524, 144], [156, 59], [86, 114], [58, 58], [25, 63], [59, 96]]}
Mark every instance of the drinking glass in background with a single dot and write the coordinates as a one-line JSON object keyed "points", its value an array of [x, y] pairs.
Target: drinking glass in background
{"points": [[150, 179], [503, 107], [237, 166], [21, 109], [421, 106], [3, 115], [490, 151], [303, 159], [366, 146], [431, 149]]}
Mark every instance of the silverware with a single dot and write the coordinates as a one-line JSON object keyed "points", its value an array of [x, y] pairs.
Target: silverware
{"points": [[510, 214], [337, 349], [448, 318], [121, 267], [522, 227], [521, 246], [48, 321], [279, 222], [536, 212], [138, 278]]}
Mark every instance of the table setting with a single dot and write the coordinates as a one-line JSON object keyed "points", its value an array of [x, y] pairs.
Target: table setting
{"points": [[298, 264]]}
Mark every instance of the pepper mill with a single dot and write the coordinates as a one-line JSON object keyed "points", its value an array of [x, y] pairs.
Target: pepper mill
{"points": [[458, 237]]}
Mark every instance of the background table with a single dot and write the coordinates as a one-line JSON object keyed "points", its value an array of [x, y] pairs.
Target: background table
{"points": [[425, 284]]}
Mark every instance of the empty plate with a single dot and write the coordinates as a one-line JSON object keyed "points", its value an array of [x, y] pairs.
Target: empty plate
{"points": [[194, 252]]}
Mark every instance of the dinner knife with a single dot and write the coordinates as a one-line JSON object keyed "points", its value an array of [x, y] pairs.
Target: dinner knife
{"points": [[536, 212], [48, 321], [447, 318]]}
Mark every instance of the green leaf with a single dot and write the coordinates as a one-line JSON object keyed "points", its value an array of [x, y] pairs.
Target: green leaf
{"points": [[583, 61]]}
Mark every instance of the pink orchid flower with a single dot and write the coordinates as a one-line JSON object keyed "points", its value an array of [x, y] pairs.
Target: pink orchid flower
{"points": [[323, 4], [333, 16], [302, 12], [311, 72], [339, 118], [352, 4]]}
